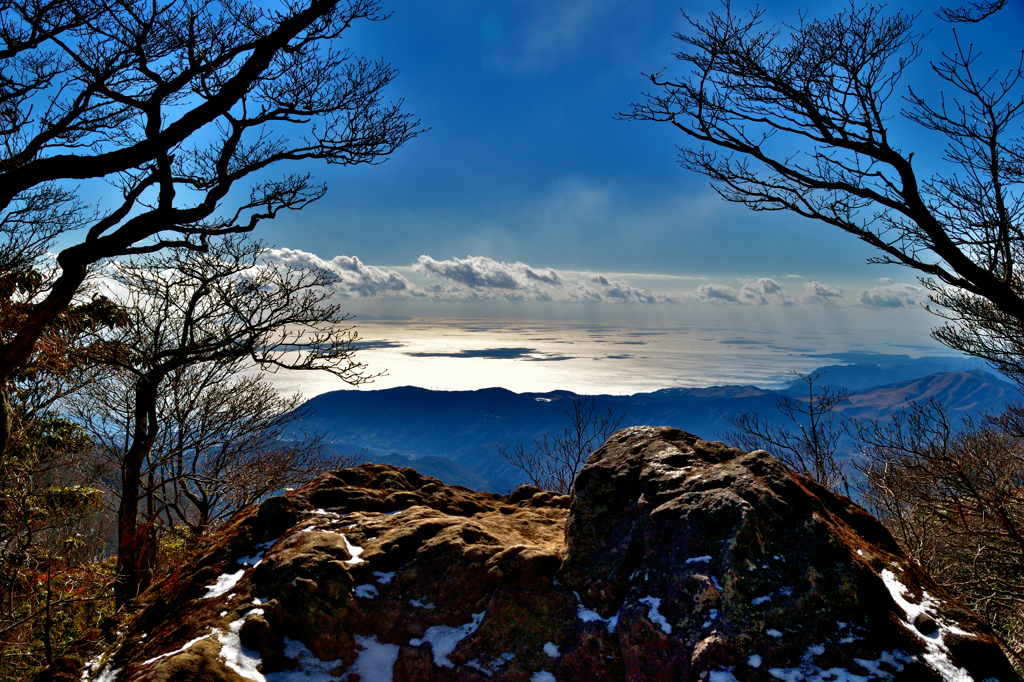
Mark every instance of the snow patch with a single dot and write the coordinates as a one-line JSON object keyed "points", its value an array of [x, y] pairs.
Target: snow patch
{"points": [[699, 559], [225, 583], [237, 657], [383, 578], [721, 676], [938, 653], [551, 649], [257, 558], [590, 616], [896, 660], [376, 661], [543, 676], [353, 551], [94, 672], [443, 639], [654, 616], [772, 632], [757, 601], [422, 604], [493, 666], [712, 615], [179, 650], [754, 661], [366, 591], [808, 671]]}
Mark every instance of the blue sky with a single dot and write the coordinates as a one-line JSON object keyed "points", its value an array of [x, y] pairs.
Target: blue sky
{"points": [[525, 161], [527, 194]]}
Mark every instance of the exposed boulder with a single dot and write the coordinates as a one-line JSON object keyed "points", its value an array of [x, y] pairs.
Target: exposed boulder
{"points": [[680, 559]]}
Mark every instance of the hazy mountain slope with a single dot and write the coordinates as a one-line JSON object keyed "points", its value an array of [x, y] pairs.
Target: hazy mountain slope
{"points": [[463, 429]]}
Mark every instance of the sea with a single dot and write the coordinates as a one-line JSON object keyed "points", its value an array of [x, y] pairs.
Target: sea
{"points": [[456, 354]]}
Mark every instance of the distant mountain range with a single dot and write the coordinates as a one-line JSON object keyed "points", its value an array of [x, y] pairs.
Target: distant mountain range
{"points": [[454, 435]]}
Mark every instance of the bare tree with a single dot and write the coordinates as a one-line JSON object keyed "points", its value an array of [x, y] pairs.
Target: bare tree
{"points": [[556, 460], [799, 119], [181, 109], [951, 496], [811, 448], [972, 12], [189, 308], [226, 440]]}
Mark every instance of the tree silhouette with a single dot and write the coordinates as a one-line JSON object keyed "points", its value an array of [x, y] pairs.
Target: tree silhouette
{"points": [[188, 308], [181, 109], [799, 119]]}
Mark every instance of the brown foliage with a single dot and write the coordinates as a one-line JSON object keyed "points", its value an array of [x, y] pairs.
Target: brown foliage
{"points": [[954, 500]]}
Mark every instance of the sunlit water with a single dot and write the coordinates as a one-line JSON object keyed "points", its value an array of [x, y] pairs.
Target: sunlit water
{"points": [[608, 358]]}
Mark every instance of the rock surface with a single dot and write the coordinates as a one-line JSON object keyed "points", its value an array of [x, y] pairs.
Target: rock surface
{"points": [[679, 559]]}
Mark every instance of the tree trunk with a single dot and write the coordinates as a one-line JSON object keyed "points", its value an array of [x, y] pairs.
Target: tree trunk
{"points": [[6, 416], [134, 560]]}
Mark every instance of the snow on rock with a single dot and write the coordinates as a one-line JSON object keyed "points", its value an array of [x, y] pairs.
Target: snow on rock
{"points": [[96, 671], [591, 616], [353, 551], [443, 639], [654, 616], [383, 578], [366, 591], [254, 560], [225, 583], [376, 661], [183, 647], [492, 666], [938, 656], [722, 676], [237, 657]]}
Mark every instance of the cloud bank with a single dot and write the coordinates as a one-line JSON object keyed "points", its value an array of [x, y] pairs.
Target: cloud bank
{"points": [[356, 278], [479, 278]]}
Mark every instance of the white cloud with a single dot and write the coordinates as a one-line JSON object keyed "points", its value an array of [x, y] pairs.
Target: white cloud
{"points": [[893, 295], [816, 292], [476, 271], [356, 277], [718, 292], [762, 291], [490, 279]]}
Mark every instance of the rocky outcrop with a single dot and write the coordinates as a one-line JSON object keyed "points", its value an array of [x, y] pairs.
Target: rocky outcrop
{"points": [[679, 559]]}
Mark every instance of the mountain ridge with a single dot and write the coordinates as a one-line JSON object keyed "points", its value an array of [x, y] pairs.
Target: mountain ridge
{"points": [[454, 435]]}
